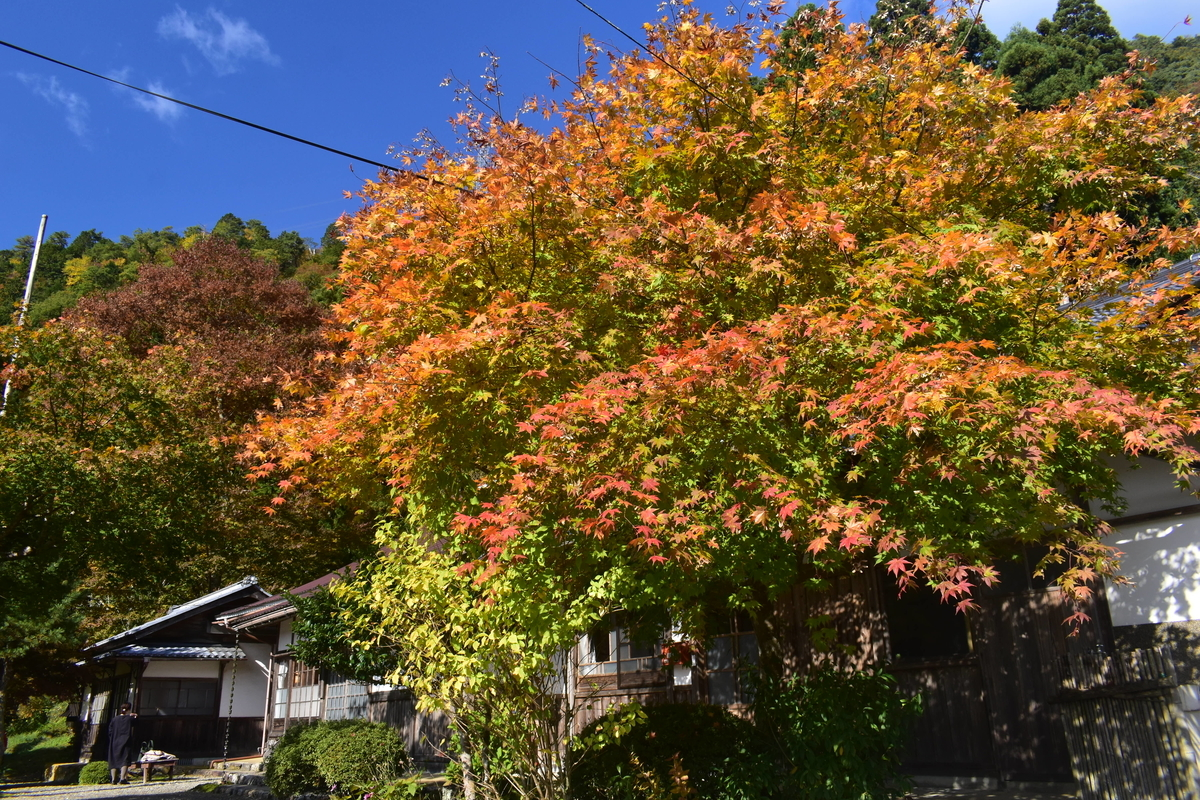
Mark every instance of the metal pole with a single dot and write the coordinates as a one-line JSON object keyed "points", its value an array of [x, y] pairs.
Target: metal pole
{"points": [[37, 249]]}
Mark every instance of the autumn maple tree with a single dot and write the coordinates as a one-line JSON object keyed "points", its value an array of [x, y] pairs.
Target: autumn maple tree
{"points": [[728, 320], [243, 328]]}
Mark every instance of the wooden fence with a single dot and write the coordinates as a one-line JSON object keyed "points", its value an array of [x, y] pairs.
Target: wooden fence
{"points": [[425, 736], [1125, 740]]}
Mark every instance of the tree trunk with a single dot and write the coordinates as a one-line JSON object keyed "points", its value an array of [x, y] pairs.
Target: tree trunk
{"points": [[464, 755]]}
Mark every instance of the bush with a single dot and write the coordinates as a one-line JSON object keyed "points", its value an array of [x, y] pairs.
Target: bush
{"points": [[95, 772], [369, 751], [839, 734], [291, 767], [699, 751], [316, 758]]}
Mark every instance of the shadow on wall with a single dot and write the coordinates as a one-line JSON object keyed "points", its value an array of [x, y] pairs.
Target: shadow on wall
{"points": [[1182, 639], [1162, 561]]}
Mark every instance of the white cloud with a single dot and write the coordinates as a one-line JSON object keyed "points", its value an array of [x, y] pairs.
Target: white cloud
{"points": [[223, 41], [53, 92], [165, 110]]}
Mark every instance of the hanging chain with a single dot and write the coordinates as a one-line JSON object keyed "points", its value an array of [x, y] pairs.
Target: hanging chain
{"points": [[232, 686]]}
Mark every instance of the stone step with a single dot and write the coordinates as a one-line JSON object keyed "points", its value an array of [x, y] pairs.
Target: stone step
{"points": [[245, 779], [245, 792], [239, 765]]}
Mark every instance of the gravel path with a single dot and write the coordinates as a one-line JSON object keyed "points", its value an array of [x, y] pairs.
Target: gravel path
{"points": [[179, 789], [991, 794], [154, 790]]}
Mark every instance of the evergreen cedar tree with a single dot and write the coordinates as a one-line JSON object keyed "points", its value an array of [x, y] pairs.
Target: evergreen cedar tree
{"points": [[1067, 54], [709, 335]]}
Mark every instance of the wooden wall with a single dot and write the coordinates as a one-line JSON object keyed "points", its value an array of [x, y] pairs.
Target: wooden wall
{"points": [[1022, 643], [186, 737], [1130, 748], [425, 736]]}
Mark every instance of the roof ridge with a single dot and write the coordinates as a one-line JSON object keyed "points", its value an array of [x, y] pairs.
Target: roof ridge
{"points": [[181, 610]]}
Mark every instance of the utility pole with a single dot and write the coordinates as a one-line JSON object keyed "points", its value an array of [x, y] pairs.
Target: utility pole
{"points": [[37, 249]]}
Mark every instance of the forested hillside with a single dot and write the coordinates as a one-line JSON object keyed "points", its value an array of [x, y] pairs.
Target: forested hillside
{"points": [[121, 489], [92, 263]]}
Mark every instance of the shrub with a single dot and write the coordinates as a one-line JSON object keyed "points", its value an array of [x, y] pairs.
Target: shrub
{"points": [[328, 754], [291, 766], [368, 751], [839, 733], [699, 751], [95, 772]]}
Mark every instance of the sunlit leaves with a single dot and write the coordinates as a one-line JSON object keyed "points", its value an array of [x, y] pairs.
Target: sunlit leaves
{"points": [[718, 330]]}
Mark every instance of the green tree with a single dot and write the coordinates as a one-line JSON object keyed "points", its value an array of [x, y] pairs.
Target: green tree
{"points": [[1067, 54], [980, 46], [803, 39], [897, 22], [230, 227], [150, 247], [288, 250], [332, 246], [1177, 65]]}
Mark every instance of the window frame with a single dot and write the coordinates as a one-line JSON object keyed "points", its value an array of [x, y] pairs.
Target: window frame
{"points": [[289, 675], [743, 658], [145, 692]]}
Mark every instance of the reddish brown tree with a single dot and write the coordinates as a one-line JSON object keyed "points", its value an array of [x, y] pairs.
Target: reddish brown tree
{"points": [[243, 327]]}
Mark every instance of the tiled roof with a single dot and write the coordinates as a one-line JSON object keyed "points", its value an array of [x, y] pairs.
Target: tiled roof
{"points": [[178, 612], [272, 608], [1180, 275], [193, 651]]}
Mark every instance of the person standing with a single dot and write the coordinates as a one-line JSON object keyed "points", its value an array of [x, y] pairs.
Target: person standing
{"points": [[120, 744]]}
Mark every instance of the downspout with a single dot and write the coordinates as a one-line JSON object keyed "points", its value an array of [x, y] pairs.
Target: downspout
{"points": [[262, 748]]}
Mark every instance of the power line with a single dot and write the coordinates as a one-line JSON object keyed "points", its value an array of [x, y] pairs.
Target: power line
{"points": [[231, 118], [671, 66]]}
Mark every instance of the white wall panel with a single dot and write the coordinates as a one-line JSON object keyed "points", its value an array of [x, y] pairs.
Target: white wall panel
{"points": [[1162, 558], [169, 668], [250, 692]]}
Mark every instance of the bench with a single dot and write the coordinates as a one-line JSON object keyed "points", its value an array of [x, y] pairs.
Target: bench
{"points": [[148, 767]]}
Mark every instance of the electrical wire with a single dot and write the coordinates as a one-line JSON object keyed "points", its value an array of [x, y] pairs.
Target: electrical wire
{"points": [[671, 66], [247, 123]]}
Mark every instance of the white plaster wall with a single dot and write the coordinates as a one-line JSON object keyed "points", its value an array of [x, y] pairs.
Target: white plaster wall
{"points": [[285, 635], [1162, 558], [250, 690], [1148, 488], [170, 668]]}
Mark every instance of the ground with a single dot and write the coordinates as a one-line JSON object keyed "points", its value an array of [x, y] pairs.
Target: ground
{"points": [[177, 789], [991, 794]]}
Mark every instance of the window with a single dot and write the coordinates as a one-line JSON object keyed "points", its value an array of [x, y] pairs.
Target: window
{"points": [[597, 648], [923, 628], [731, 655], [610, 649], [178, 698], [345, 699], [297, 691]]}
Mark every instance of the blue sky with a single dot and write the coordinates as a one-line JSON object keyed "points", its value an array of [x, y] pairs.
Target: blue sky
{"points": [[356, 76]]}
